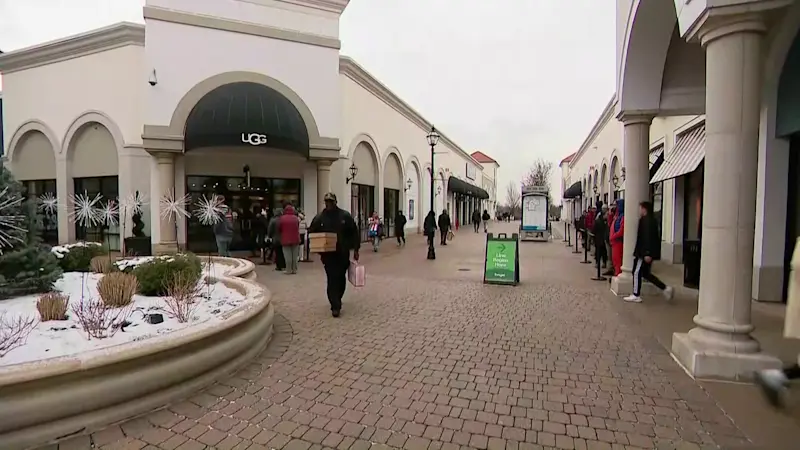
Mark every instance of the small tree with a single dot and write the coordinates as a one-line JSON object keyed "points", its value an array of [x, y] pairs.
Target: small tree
{"points": [[26, 266], [513, 198], [539, 175]]}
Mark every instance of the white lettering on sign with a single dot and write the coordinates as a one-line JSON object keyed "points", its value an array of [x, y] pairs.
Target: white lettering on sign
{"points": [[254, 138]]}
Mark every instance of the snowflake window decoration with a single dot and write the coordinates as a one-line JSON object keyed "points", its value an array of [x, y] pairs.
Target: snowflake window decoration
{"points": [[108, 214], [10, 229], [86, 210], [133, 203], [209, 210], [48, 203], [172, 208]]}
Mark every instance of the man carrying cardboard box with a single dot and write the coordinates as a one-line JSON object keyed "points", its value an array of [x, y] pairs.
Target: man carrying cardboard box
{"points": [[336, 260]]}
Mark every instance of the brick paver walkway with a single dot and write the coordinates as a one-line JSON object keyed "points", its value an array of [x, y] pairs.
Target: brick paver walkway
{"points": [[427, 357]]}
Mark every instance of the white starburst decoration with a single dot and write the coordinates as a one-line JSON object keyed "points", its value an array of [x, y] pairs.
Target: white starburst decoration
{"points": [[173, 207], [86, 210], [48, 203], [9, 221], [209, 210], [108, 213], [133, 203]]}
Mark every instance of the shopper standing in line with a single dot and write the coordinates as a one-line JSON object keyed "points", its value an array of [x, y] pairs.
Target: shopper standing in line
{"points": [[289, 234]]}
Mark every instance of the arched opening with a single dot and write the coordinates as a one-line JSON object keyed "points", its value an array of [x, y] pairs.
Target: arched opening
{"points": [[615, 178], [94, 167], [414, 203], [33, 164], [393, 186], [604, 183], [364, 196], [249, 143], [595, 187]]}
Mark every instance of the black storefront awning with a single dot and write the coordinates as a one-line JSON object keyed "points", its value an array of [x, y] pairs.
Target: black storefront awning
{"points": [[462, 187], [573, 191], [246, 114]]}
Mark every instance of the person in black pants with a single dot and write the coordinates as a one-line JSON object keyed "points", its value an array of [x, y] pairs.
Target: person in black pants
{"points": [[400, 228], [444, 226], [476, 220], [774, 382], [646, 242], [429, 227], [600, 232], [333, 219]]}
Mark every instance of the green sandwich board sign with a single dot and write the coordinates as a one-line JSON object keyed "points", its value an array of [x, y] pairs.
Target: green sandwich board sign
{"points": [[501, 264]]}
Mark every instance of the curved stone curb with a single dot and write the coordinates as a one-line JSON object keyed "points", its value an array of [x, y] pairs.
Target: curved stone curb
{"points": [[51, 399]]}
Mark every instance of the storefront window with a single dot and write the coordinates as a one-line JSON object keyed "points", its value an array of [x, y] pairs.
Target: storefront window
{"points": [[657, 198], [48, 225], [391, 204], [108, 189], [267, 193], [362, 205]]}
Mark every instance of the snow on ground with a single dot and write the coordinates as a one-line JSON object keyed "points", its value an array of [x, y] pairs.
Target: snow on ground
{"points": [[61, 250], [54, 339]]}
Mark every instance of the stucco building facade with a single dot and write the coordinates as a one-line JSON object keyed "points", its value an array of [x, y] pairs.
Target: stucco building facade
{"points": [[705, 124], [250, 99]]}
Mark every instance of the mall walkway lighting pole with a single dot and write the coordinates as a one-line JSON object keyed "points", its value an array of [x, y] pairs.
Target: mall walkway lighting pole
{"points": [[433, 139]]}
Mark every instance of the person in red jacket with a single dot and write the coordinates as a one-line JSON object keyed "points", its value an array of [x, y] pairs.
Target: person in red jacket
{"points": [[589, 224], [615, 236], [289, 232]]}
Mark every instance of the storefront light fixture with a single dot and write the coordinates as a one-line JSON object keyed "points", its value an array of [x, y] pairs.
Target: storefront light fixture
{"points": [[408, 185], [594, 189], [353, 173], [153, 80], [433, 137], [438, 190]]}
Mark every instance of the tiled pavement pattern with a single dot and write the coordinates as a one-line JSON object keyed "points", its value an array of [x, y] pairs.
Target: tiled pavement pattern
{"points": [[427, 357]]}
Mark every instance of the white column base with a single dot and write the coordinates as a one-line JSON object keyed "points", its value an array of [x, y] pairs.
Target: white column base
{"points": [[702, 361], [622, 284]]}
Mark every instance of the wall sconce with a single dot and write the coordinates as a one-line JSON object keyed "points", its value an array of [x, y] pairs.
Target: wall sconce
{"points": [[623, 174], [353, 173], [438, 190], [594, 189], [408, 185], [153, 80]]}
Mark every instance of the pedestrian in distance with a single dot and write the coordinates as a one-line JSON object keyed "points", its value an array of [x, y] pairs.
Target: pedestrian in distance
{"points": [[476, 220], [289, 234], [400, 228], [646, 241], [429, 227], [333, 219], [486, 218], [444, 226], [374, 231], [223, 230]]}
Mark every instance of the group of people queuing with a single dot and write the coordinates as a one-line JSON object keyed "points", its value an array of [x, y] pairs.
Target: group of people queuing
{"points": [[602, 227], [276, 234]]}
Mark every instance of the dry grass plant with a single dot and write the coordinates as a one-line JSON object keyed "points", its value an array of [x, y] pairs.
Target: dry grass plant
{"points": [[117, 289], [14, 331], [52, 306], [103, 264], [99, 320], [181, 300]]}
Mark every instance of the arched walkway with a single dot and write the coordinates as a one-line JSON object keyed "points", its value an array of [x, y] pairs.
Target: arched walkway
{"points": [[414, 208], [393, 188], [365, 198]]}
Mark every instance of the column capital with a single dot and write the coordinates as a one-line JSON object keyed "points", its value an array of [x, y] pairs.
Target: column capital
{"points": [[628, 118], [717, 23], [163, 157], [324, 164]]}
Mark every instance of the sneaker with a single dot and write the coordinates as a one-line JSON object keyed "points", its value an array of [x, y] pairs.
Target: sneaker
{"points": [[336, 313], [669, 293], [633, 299], [773, 385]]}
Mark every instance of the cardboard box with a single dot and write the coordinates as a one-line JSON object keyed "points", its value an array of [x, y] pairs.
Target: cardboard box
{"points": [[322, 242]]}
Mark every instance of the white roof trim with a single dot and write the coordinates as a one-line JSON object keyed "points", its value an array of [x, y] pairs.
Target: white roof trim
{"points": [[604, 118], [118, 35], [350, 68]]}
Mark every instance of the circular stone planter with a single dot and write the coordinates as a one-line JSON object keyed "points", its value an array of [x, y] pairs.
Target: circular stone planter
{"points": [[49, 399]]}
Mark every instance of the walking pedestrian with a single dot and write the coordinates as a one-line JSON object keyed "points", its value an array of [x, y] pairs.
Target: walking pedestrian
{"points": [[333, 219], [775, 382], [615, 236], [444, 226], [486, 218], [373, 231], [476, 220], [223, 230], [289, 233], [646, 242], [400, 228], [429, 227]]}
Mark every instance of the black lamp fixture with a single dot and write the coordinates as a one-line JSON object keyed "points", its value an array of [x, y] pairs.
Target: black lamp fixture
{"points": [[408, 185], [594, 189], [433, 139], [438, 190], [353, 173]]}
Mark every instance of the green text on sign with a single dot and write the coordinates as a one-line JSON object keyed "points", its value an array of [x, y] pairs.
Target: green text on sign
{"points": [[501, 257]]}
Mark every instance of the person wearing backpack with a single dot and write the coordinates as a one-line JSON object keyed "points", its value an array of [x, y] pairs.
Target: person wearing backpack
{"points": [[486, 218]]}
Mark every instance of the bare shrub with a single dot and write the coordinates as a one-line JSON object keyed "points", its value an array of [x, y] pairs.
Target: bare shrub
{"points": [[117, 289], [182, 293], [52, 306], [14, 331], [103, 264], [99, 320]]}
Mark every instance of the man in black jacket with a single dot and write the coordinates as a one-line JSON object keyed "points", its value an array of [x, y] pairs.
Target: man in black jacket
{"points": [[600, 232], [646, 242], [333, 219], [444, 225]]}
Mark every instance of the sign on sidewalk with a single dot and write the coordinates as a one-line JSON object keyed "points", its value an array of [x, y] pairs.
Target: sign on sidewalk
{"points": [[501, 262]]}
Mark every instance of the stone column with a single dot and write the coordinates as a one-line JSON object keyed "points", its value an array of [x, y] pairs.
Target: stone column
{"points": [[720, 345], [168, 236], [323, 182], [636, 141]]}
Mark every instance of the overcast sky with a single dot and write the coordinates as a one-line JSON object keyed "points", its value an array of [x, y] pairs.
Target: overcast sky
{"points": [[516, 79]]}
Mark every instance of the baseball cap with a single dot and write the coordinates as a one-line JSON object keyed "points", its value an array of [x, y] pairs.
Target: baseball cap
{"points": [[330, 196]]}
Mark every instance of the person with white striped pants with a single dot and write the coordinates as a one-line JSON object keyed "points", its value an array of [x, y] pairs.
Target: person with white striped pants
{"points": [[646, 242]]}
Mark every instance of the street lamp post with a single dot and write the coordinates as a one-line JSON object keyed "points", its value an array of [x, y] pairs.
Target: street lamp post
{"points": [[433, 139]]}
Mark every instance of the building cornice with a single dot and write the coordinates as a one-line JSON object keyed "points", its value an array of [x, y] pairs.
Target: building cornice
{"points": [[84, 44], [605, 117], [335, 6], [354, 71]]}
